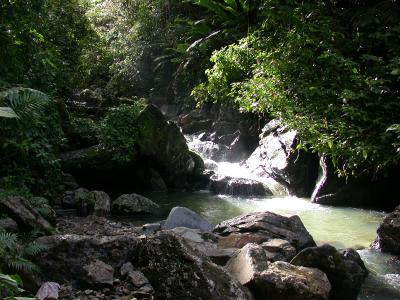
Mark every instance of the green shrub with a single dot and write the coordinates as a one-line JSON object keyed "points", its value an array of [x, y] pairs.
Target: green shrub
{"points": [[329, 71], [118, 131], [82, 132]]}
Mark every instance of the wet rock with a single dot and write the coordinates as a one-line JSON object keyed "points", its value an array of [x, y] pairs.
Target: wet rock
{"points": [[278, 249], [373, 190], [238, 186], [265, 226], [388, 239], [196, 126], [99, 274], [133, 204], [276, 157], [346, 272], [24, 214], [151, 228], [247, 263], [184, 217], [101, 203], [48, 290], [9, 225], [282, 281]]}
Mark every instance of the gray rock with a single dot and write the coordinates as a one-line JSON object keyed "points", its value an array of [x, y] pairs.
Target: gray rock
{"points": [[247, 263], [276, 157], [48, 290], [278, 249], [151, 228], [184, 217], [24, 214], [132, 204], [388, 239], [205, 243], [175, 270], [282, 281], [101, 203], [237, 186], [99, 273], [9, 225], [260, 227], [138, 279], [346, 271], [126, 269], [72, 199]]}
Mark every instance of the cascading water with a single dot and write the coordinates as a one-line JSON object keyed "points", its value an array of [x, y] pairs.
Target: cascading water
{"points": [[341, 227]]}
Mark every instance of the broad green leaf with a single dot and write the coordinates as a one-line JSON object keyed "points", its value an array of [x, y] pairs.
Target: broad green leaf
{"points": [[7, 112]]}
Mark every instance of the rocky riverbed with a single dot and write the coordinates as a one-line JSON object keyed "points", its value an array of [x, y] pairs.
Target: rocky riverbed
{"points": [[253, 256]]}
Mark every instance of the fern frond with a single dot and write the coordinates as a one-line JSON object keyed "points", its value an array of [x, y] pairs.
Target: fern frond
{"points": [[24, 265], [33, 249]]}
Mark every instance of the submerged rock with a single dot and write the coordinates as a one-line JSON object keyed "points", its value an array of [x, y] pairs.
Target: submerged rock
{"points": [[133, 204], [24, 214], [184, 217], [283, 281], [263, 226], [346, 271], [388, 239], [238, 186]]}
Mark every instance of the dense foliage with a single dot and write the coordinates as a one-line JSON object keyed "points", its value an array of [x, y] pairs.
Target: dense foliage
{"points": [[329, 69]]}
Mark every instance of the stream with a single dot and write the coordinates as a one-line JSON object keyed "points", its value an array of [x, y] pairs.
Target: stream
{"points": [[341, 227]]}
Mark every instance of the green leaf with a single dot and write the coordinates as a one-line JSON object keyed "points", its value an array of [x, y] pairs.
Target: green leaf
{"points": [[7, 112]]}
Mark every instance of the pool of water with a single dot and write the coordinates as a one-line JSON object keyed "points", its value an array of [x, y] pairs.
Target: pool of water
{"points": [[340, 227]]}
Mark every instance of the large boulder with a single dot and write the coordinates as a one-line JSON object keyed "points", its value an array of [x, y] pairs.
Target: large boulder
{"points": [[283, 281], [160, 153], [346, 271], [374, 190], [173, 268], [247, 263], [264, 226], [388, 239], [184, 217], [278, 158], [101, 203], [132, 204], [226, 185], [278, 250], [26, 216], [165, 144]]}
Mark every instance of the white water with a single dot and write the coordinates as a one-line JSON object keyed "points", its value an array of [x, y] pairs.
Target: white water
{"points": [[339, 226]]}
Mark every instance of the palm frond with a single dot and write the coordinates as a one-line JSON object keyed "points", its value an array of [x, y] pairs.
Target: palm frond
{"points": [[28, 104]]}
